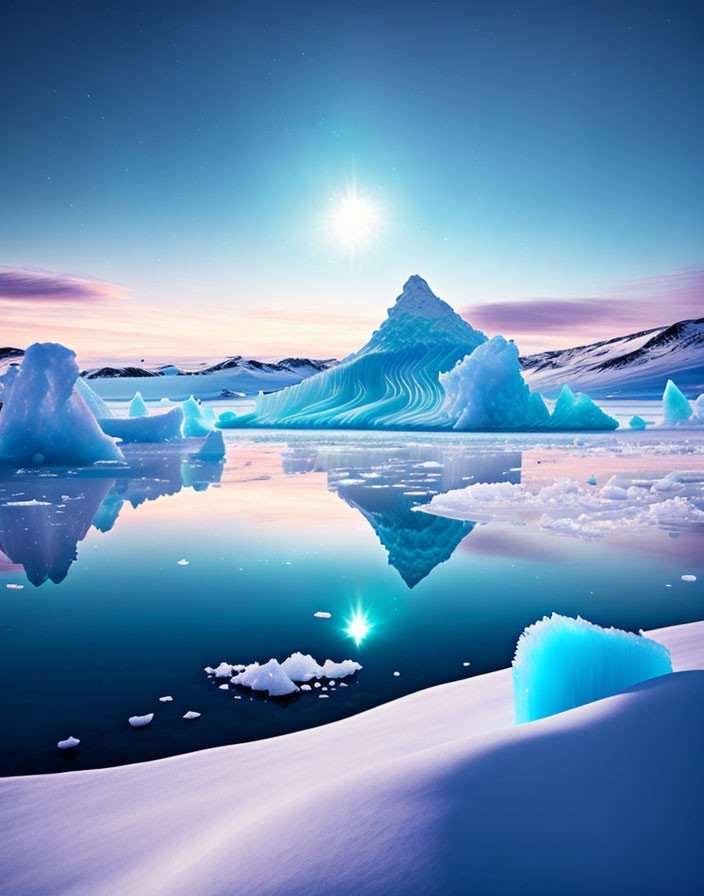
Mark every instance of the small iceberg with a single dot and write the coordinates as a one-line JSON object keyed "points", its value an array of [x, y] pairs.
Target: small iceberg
{"points": [[213, 448], [191, 715], [163, 427], [279, 679], [137, 406], [165, 699], [69, 744], [140, 721]]}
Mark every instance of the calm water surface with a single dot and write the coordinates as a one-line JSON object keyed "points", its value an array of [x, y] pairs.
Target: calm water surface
{"points": [[107, 620]]}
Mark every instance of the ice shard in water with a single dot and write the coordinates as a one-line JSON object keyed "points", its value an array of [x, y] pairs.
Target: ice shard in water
{"points": [[194, 423], [137, 406], [45, 419], [562, 662], [676, 408]]}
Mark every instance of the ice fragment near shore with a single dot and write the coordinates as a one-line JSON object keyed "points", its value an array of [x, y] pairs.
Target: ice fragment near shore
{"points": [[562, 662]]}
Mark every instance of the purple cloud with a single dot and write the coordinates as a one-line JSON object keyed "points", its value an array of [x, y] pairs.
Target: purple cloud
{"points": [[628, 307], [25, 285]]}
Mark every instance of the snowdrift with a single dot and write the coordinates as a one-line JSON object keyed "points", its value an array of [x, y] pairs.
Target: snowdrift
{"points": [[429, 794]]}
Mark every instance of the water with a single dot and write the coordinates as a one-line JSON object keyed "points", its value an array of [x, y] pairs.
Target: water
{"points": [[292, 524]]}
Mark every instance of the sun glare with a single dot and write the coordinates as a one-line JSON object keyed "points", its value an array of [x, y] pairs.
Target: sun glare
{"points": [[358, 627], [354, 220]]}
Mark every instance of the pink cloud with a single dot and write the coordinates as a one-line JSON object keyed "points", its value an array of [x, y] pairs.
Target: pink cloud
{"points": [[26, 285], [625, 308]]}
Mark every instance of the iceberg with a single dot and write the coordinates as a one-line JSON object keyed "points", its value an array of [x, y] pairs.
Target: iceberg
{"points": [[45, 419], [213, 448], [637, 422], [157, 428], [425, 368], [485, 391], [578, 412], [194, 422], [391, 383], [94, 401], [676, 408], [561, 663], [137, 406]]}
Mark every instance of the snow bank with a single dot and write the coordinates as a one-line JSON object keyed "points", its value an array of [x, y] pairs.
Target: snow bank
{"points": [[561, 663], [426, 795], [45, 419], [157, 428]]}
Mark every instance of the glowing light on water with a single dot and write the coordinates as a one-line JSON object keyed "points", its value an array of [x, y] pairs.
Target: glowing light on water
{"points": [[358, 627]]}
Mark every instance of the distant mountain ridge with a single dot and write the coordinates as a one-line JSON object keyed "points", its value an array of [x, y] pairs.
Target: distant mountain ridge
{"points": [[637, 365]]}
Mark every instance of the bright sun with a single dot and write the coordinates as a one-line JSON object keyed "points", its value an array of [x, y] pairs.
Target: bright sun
{"points": [[354, 220]]}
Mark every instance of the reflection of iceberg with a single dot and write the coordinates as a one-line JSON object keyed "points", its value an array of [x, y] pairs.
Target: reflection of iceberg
{"points": [[385, 486], [42, 520]]}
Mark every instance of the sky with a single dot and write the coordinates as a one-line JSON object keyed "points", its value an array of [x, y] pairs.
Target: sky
{"points": [[172, 174]]}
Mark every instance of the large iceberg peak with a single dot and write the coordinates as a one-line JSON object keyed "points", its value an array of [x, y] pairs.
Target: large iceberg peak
{"points": [[419, 317]]}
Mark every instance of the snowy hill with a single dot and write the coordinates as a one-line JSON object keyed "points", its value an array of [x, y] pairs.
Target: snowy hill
{"points": [[634, 366]]}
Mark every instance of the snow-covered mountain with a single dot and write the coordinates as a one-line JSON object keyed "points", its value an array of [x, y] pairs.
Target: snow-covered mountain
{"points": [[634, 366]]}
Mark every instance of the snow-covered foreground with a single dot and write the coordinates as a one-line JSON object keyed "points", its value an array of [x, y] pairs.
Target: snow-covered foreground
{"points": [[436, 793]]}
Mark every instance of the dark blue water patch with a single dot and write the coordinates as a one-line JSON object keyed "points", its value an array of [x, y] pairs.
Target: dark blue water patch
{"points": [[283, 530]]}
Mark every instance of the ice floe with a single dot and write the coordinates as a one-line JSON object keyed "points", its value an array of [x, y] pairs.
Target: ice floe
{"points": [[191, 715], [282, 679], [69, 744], [140, 721]]}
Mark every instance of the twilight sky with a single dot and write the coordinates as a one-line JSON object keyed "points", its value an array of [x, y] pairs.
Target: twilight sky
{"points": [[170, 172]]}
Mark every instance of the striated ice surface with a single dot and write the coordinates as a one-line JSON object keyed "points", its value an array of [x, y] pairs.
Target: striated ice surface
{"points": [[676, 408], [562, 662], [137, 406], [44, 419], [391, 383]]}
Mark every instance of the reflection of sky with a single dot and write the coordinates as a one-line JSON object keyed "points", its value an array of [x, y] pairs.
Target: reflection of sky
{"points": [[128, 623]]}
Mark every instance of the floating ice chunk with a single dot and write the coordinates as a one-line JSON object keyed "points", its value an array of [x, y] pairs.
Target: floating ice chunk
{"points": [[191, 715], [340, 670], [614, 493], [13, 586], [270, 677], [667, 483], [213, 448], [137, 406], [163, 427], [194, 423], [224, 687], [300, 667], [182, 562], [224, 670], [676, 408], [140, 721], [45, 420], [165, 699], [69, 744], [306, 687], [578, 412], [591, 480], [397, 674], [323, 696], [637, 422], [689, 578], [562, 662], [321, 614]]}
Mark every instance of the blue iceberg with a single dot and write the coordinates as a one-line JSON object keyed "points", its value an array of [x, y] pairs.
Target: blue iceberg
{"points": [[137, 406], [676, 408], [562, 662], [425, 368], [194, 423], [391, 383]]}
